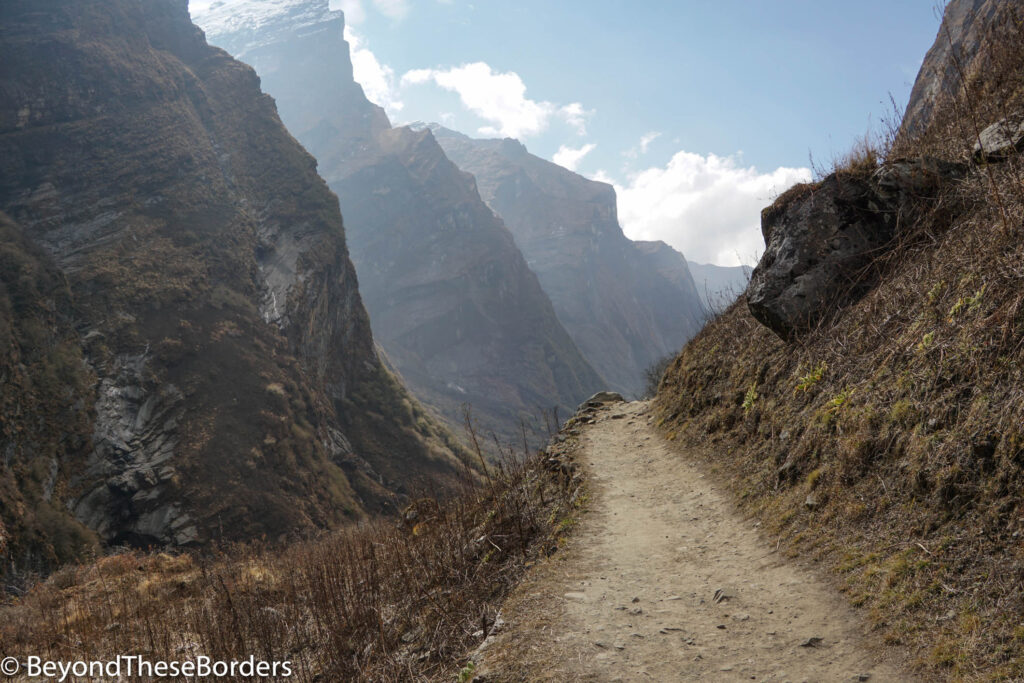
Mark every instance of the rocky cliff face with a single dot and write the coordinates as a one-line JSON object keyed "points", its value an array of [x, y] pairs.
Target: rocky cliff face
{"points": [[961, 34], [452, 301], [618, 305], [44, 382], [228, 384], [959, 61], [826, 242]]}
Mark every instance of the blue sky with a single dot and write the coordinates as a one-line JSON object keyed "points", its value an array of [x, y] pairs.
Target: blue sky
{"points": [[698, 112]]}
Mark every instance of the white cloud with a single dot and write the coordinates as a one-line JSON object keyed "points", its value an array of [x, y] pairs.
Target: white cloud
{"points": [[641, 147], [417, 76], [393, 9], [576, 116], [500, 99], [570, 157], [378, 80], [647, 139], [493, 96], [709, 207]]}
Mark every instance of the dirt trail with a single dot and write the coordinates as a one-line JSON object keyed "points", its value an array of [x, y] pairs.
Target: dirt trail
{"points": [[633, 596]]}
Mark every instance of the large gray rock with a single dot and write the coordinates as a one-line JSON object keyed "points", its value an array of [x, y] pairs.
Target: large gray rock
{"points": [[1000, 140], [821, 239]]}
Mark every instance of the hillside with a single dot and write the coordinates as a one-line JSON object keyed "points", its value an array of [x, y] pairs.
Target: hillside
{"points": [[879, 431], [620, 308], [183, 277], [451, 299]]}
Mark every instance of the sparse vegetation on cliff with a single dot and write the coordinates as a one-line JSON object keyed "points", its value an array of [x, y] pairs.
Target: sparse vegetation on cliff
{"points": [[43, 381]]}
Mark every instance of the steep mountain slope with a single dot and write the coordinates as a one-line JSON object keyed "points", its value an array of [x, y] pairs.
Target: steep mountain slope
{"points": [[623, 313], [886, 438], [43, 382], [964, 25], [719, 286], [964, 85], [450, 297], [236, 388]]}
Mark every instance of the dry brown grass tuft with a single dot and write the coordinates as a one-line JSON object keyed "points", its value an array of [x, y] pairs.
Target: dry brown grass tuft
{"points": [[863, 158]]}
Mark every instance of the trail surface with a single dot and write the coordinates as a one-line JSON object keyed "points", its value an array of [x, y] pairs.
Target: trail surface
{"points": [[633, 596]]}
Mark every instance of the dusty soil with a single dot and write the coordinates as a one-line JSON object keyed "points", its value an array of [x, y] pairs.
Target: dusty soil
{"points": [[637, 593]]}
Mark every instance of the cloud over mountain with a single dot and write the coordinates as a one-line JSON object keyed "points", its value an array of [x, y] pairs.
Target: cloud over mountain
{"points": [[570, 157], [499, 98], [708, 207], [378, 80]]}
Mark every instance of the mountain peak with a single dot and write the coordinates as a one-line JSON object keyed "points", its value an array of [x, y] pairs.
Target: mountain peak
{"points": [[261, 22]]}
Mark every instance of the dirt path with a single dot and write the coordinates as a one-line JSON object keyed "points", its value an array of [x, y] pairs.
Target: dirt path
{"points": [[633, 596]]}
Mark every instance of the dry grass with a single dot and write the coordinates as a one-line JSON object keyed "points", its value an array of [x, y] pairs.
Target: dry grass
{"points": [[863, 158], [904, 413], [388, 600]]}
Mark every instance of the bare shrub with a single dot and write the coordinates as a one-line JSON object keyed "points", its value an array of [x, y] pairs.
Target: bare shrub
{"points": [[653, 374]]}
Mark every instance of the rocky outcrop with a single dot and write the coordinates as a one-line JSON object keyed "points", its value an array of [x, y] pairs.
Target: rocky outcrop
{"points": [[600, 399], [235, 389], [626, 306], [451, 299], [957, 59], [961, 34], [821, 239], [1000, 141]]}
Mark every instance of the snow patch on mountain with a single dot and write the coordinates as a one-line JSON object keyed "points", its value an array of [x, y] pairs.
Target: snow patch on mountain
{"points": [[258, 21]]}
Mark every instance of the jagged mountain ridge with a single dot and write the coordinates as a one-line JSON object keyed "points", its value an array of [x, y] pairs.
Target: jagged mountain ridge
{"points": [[235, 388], [618, 301], [451, 299]]}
